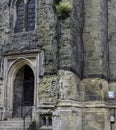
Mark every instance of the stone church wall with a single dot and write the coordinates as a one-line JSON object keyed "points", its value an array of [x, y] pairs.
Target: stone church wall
{"points": [[111, 38], [76, 62], [95, 39]]}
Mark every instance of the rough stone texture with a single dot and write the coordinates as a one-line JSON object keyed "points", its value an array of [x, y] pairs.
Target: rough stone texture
{"points": [[1, 93], [73, 61], [68, 83], [47, 34], [94, 119], [67, 119], [111, 38], [9, 125], [48, 91], [95, 38], [44, 38], [93, 89], [70, 42], [112, 86]]}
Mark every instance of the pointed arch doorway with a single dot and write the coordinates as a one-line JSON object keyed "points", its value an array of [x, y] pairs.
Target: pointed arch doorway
{"points": [[23, 91], [21, 74]]}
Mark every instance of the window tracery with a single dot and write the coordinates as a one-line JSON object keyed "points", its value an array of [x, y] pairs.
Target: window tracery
{"points": [[30, 15], [25, 16], [46, 120], [19, 25]]}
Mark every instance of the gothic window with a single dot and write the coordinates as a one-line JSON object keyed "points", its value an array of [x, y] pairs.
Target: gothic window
{"points": [[20, 16], [49, 121], [30, 15], [46, 120], [43, 121], [25, 16]]}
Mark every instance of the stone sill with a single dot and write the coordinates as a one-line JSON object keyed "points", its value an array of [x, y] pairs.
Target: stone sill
{"points": [[22, 33], [46, 105], [70, 103], [45, 128]]}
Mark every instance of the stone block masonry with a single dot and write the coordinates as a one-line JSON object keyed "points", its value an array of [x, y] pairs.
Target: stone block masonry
{"points": [[72, 60]]}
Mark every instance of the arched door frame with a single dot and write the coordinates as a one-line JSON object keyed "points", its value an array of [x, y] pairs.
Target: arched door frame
{"points": [[12, 71]]}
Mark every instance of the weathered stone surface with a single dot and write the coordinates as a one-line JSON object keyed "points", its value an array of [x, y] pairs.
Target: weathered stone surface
{"points": [[68, 83], [1, 93], [112, 38], [73, 60], [48, 91], [46, 26], [66, 119], [94, 119], [71, 45], [95, 38], [93, 89]]}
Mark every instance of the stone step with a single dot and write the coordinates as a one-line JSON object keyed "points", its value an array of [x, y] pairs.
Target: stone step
{"points": [[11, 129], [14, 124]]}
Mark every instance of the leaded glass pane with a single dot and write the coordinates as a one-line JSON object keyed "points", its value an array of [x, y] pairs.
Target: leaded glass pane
{"points": [[30, 24], [19, 25]]}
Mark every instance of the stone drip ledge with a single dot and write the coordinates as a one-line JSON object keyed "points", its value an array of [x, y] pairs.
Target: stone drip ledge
{"points": [[90, 104], [22, 53], [70, 103], [47, 105]]}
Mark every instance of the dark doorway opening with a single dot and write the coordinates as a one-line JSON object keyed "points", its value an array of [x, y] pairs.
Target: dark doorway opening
{"points": [[23, 91], [28, 86]]}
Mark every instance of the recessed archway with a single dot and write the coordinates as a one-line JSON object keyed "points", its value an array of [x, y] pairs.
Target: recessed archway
{"points": [[20, 74], [23, 91]]}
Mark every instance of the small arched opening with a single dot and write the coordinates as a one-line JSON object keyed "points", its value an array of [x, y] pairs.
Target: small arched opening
{"points": [[23, 91]]}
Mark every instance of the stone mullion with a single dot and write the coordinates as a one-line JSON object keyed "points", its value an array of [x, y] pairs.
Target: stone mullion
{"points": [[47, 121], [25, 16]]}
